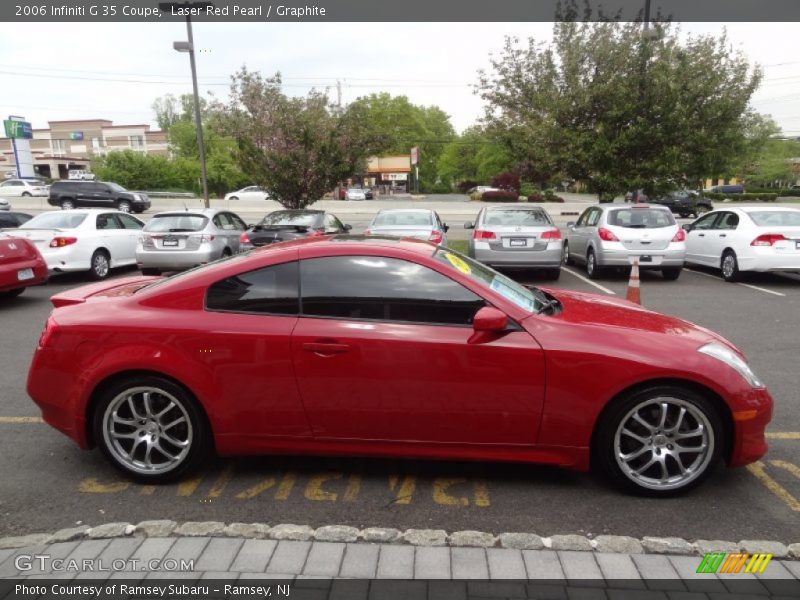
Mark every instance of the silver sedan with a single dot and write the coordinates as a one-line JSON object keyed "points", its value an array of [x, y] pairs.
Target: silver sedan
{"points": [[609, 235], [183, 239], [419, 223], [516, 236]]}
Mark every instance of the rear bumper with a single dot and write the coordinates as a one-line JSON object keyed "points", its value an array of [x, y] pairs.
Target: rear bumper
{"points": [[750, 421], [669, 257], [767, 259], [548, 258], [9, 274], [175, 259]]}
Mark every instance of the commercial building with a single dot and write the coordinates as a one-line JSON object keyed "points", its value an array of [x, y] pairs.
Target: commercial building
{"points": [[389, 171], [66, 145]]}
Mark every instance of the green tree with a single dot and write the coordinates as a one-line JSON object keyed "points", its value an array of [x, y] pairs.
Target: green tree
{"points": [[605, 104], [297, 148]]}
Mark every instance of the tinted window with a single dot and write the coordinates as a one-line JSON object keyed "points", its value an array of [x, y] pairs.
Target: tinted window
{"points": [[516, 217], [176, 222], [728, 221], [107, 222], [288, 217], [403, 219], [129, 222], [641, 218], [389, 289], [237, 222], [92, 187], [594, 217], [271, 290], [706, 222], [583, 218], [55, 221], [776, 218]]}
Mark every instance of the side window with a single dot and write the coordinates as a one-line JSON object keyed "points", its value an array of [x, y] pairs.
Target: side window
{"points": [[237, 222], [220, 221], [594, 217], [271, 291], [386, 289], [583, 218], [332, 222], [129, 222], [107, 221], [706, 222], [728, 221]]}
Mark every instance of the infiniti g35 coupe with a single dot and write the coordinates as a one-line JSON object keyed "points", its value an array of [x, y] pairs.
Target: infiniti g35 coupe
{"points": [[362, 345]]}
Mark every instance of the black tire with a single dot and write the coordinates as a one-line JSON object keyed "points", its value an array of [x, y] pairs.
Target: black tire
{"points": [[227, 252], [552, 274], [124, 206], [146, 271], [592, 268], [12, 293], [26, 194], [567, 260], [67, 204], [100, 265], [729, 265], [671, 273], [233, 198], [684, 215], [162, 391], [616, 417]]}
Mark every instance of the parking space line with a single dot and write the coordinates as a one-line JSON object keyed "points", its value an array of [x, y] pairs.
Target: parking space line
{"points": [[589, 281], [747, 285], [757, 469], [5, 420], [783, 435]]}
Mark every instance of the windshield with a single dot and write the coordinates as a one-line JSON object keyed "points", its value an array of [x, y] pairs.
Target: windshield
{"points": [[179, 222], [515, 217], [403, 219], [116, 187], [491, 279], [776, 218], [289, 218], [55, 221], [640, 218]]}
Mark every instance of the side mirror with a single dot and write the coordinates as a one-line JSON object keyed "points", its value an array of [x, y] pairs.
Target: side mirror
{"points": [[250, 226], [445, 227], [347, 227], [687, 227], [571, 224], [469, 225], [489, 319]]}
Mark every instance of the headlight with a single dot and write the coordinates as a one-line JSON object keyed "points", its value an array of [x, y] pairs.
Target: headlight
{"points": [[137, 197], [733, 360]]}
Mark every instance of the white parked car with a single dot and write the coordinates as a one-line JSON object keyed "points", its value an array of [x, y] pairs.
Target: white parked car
{"points": [[356, 194], [752, 238], [23, 187], [93, 240], [5, 204], [252, 192]]}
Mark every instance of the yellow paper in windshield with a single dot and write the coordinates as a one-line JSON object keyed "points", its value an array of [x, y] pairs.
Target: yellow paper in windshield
{"points": [[458, 263]]}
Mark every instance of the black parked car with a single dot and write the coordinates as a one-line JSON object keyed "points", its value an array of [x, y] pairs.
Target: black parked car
{"points": [[284, 225], [13, 219], [685, 203], [96, 194], [727, 189]]}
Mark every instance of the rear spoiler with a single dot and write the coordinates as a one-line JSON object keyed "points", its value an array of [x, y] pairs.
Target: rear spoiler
{"points": [[80, 294]]}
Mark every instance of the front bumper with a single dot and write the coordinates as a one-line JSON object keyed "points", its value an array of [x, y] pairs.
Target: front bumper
{"points": [[751, 415]]}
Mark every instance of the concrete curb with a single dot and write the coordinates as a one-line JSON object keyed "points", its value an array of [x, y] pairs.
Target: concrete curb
{"points": [[604, 544]]}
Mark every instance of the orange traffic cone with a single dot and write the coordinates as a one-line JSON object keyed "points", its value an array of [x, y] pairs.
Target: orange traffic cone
{"points": [[634, 293]]}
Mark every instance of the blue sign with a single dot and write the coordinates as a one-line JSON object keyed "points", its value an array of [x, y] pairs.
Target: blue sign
{"points": [[76, 135]]}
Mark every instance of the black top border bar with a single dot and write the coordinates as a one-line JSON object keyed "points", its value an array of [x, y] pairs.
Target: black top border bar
{"points": [[339, 11]]}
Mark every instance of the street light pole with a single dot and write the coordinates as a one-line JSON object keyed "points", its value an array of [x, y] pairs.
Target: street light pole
{"points": [[198, 122]]}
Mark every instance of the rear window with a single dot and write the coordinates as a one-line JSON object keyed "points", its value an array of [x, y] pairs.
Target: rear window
{"points": [[515, 217], [176, 223], [640, 218], [55, 221], [776, 218], [289, 218], [403, 219]]}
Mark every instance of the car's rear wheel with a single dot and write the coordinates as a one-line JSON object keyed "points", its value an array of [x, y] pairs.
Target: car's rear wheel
{"points": [[659, 441], [67, 204], [592, 269], [552, 274], [730, 266], [151, 429], [565, 257], [701, 210], [26, 194], [146, 271], [124, 206], [671, 273], [12, 293], [100, 265], [226, 253], [233, 198]]}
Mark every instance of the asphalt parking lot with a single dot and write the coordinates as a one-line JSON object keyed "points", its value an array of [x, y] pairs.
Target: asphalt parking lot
{"points": [[48, 483]]}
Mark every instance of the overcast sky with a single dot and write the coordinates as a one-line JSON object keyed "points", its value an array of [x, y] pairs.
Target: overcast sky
{"points": [[115, 70]]}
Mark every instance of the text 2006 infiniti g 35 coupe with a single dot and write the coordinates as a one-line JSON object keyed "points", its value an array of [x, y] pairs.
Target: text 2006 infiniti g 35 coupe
{"points": [[377, 346]]}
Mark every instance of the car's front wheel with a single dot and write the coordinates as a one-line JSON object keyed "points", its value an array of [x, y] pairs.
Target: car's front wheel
{"points": [[67, 204], [659, 441], [26, 194], [124, 206], [151, 429], [12, 293], [233, 198]]}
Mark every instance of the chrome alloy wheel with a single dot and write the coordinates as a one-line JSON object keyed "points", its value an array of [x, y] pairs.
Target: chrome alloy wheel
{"points": [[100, 265], [664, 443], [728, 265], [147, 430]]}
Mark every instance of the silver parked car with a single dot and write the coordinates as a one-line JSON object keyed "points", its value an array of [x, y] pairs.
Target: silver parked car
{"points": [[420, 223], [516, 236], [608, 235], [182, 239]]}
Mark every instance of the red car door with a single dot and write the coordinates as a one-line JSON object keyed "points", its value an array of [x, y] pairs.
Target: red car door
{"points": [[382, 351]]}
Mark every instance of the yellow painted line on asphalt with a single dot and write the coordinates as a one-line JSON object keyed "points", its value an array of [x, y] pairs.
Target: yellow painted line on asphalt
{"points": [[787, 466], [757, 469], [10, 420], [589, 281], [783, 435]]}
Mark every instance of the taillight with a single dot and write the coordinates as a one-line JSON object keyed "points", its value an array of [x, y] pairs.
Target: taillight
{"points": [[367, 232], [48, 332], [680, 236], [207, 237], [244, 238], [479, 234], [436, 237], [551, 234], [767, 239], [606, 235], [60, 242]]}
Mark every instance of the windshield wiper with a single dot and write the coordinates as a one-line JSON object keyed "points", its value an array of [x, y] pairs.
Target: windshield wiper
{"points": [[548, 302]]}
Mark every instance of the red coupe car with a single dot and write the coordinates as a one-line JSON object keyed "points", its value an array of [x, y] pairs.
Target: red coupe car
{"points": [[376, 346], [21, 265]]}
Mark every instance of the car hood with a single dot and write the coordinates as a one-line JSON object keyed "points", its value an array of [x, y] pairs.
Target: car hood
{"points": [[595, 309]]}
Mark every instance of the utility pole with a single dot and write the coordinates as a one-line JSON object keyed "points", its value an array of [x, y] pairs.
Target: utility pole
{"points": [[339, 94], [198, 122]]}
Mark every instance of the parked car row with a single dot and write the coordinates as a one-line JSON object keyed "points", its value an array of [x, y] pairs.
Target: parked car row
{"points": [[686, 203]]}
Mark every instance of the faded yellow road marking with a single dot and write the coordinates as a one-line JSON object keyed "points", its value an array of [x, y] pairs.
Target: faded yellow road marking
{"points": [[783, 435], [406, 492], [91, 485], [10, 420], [257, 489], [482, 494], [441, 496], [353, 488], [286, 486], [222, 481], [757, 469], [792, 468], [188, 486], [314, 489]]}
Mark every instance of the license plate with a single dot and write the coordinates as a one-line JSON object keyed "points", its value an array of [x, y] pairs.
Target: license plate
{"points": [[24, 274], [172, 243], [797, 245], [646, 258], [518, 242]]}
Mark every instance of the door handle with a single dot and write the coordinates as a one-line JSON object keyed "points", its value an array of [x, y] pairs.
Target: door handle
{"points": [[723, 234], [325, 348], [701, 235]]}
